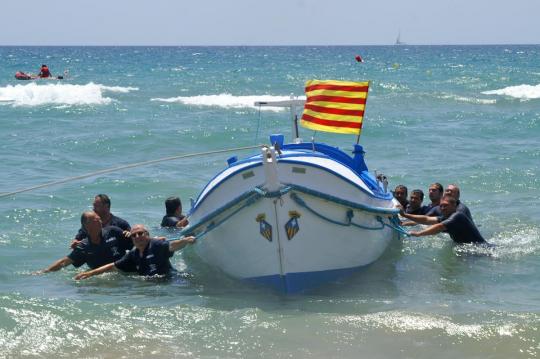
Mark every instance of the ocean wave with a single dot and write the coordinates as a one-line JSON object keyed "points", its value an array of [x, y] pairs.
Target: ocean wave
{"points": [[226, 100], [34, 94], [522, 92], [479, 101]]}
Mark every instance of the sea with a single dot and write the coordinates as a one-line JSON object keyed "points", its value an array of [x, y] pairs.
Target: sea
{"points": [[465, 115]]}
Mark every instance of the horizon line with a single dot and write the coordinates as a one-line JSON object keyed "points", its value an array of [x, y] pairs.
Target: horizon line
{"points": [[274, 45]]}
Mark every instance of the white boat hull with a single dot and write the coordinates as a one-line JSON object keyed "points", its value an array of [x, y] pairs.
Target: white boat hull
{"points": [[293, 221], [317, 252]]}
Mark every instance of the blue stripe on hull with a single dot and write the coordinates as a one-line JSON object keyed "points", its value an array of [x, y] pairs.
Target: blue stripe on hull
{"points": [[299, 282]]}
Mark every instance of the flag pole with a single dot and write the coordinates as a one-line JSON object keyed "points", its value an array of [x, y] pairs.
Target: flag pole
{"points": [[364, 116]]}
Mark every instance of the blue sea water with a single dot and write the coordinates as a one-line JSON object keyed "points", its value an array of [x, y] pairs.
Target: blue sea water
{"points": [[453, 114]]}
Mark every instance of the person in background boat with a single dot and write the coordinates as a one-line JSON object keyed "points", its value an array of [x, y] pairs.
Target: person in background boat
{"points": [[148, 257], [400, 193], [435, 192], [415, 203], [102, 206], [102, 246], [460, 227], [174, 217], [44, 72], [452, 190]]}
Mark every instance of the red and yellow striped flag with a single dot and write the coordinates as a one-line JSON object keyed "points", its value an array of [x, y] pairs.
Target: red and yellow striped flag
{"points": [[335, 106]]}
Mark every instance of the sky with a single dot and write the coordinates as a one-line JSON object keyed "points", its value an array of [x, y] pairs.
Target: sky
{"points": [[274, 22]]}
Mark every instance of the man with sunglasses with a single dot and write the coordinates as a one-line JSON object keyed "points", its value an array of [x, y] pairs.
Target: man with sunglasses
{"points": [[102, 245], [149, 256], [460, 227]]}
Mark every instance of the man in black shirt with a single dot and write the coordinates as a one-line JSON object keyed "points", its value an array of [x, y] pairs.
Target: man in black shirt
{"points": [[435, 191], [148, 257], [415, 203], [460, 227], [102, 206], [400, 193], [452, 190], [174, 217], [102, 246]]}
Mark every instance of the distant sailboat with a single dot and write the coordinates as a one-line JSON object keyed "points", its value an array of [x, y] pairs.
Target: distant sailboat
{"points": [[398, 40]]}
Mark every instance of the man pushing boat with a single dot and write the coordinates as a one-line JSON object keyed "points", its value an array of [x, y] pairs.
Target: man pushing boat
{"points": [[460, 227], [149, 256]]}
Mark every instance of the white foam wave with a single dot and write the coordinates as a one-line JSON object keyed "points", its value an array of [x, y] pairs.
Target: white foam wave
{"points": [[118, 89], [225, 100], [405, 322], [522, 92], [34, 94], [479, 101]]}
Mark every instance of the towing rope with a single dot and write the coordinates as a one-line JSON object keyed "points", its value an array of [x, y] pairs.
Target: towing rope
{"points": [[119, 168]]}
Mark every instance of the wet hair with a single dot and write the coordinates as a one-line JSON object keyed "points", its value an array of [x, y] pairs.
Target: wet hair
{"points": [[439, 187], [419, 192], [104, 199], [172, 204]]}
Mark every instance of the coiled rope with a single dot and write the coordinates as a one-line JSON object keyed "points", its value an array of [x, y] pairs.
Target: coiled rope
{"points": [[123, 167]]}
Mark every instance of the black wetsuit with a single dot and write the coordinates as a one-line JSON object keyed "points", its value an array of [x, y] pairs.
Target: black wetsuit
{"points": [[112, 246], [115, 221], [461, 228], [154, 261]]}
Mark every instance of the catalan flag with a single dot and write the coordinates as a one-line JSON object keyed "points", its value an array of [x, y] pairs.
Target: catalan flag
{"points": [[335, 106]]}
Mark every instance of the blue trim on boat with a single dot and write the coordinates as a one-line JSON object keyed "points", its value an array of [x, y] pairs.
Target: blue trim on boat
{"points": [[291, 283], [387, 196], [199, 200], [379, 195], [256, 193]]}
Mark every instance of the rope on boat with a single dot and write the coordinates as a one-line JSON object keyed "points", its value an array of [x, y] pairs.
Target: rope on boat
{"points": [[123, 167], [350, 214], [211, 221], [395, 224]]}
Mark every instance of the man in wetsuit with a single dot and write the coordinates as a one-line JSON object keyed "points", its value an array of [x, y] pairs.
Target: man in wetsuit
{"points": [[148, 257], [44, 72], [174, 217], [102, 246], [102, 206], [460, 227]]}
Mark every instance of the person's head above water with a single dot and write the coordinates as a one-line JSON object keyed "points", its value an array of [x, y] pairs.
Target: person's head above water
{"points": [[173, 206]]}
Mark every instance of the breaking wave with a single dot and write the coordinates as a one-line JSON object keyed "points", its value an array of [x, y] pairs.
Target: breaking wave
{"points": [[226, 100], [33, 94], [522, 92], [478, 101]]}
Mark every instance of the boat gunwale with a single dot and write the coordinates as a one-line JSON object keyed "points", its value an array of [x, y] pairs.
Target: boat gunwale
{"points": [[258, 162]]}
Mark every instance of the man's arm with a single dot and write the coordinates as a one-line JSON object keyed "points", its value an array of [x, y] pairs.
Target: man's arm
{"points": [[97, 271], [418, 218], [59, 264], [434, 229], [181, 243]]}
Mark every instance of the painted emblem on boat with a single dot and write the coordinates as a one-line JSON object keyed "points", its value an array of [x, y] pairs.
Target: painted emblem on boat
{"points": [[292, 227], [264, 227]]}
